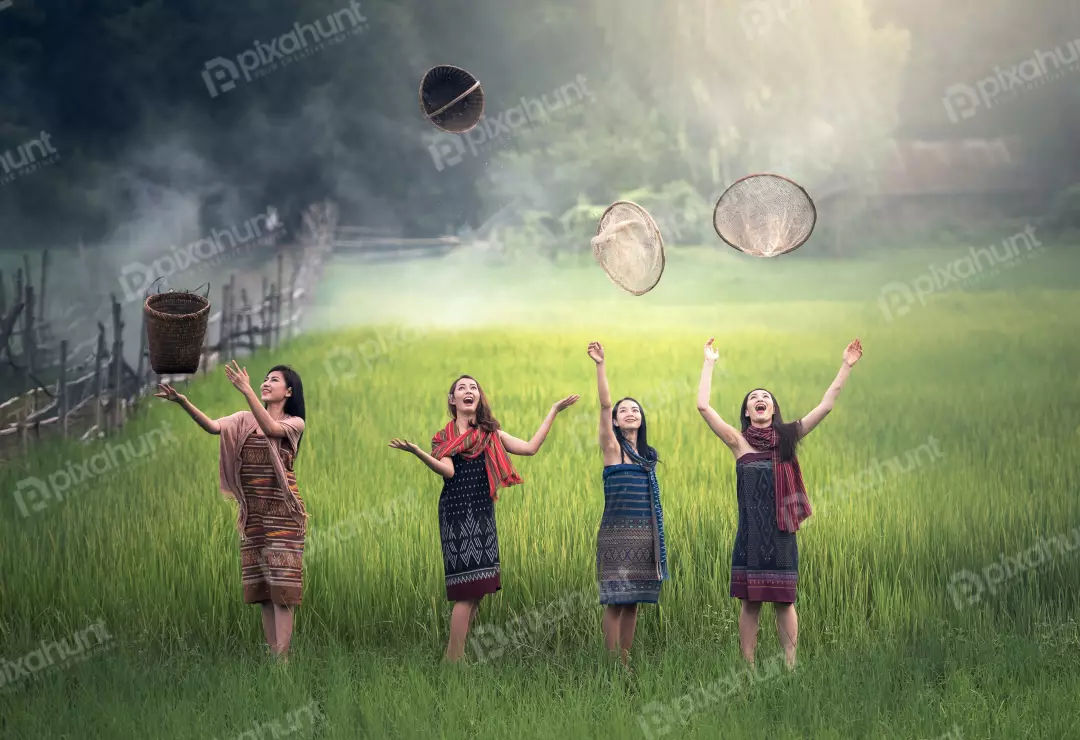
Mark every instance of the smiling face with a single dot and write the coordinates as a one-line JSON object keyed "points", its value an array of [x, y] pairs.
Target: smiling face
{"points": [[465, 398], [759, 407], [628, 415], [274, 388]]}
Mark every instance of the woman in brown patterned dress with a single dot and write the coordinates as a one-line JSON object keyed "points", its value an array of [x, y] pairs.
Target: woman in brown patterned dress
{"points": [[256, 469]]}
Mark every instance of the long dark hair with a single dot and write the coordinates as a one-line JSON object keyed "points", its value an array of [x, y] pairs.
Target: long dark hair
{"points": [[644, 449], [788, 431], [484, 418], [294, 404]]}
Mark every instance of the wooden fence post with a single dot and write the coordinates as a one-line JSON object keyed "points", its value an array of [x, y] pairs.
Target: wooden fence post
{"points": [[277, 296], [62, 390], [41, 290], [264, 335], [29, 340], [99, 378], [118, 360], [143, 348]]}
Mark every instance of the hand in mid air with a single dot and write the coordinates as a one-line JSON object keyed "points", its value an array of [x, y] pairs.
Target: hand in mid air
{"points": [[169, 393], [853, 353], [238, 376], [596, 352], [565, 403], [711, 355], [404, 444]]}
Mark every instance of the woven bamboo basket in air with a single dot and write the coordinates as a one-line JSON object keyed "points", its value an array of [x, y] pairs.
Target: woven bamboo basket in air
{"points": [[451, 99], [175, 330]]}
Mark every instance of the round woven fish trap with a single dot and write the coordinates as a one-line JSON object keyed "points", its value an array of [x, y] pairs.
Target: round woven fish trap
{"points": [[175, 329], [629, 247], [765, 215], [451, 98]]}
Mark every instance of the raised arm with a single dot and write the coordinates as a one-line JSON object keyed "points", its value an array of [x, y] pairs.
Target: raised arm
{"points": [[239, 378], [851, 355], [443, 466], [517, 446], [608, 444], [729, 434], [170, 394]]}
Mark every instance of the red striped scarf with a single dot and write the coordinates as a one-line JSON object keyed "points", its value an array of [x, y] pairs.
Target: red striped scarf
{"points": [[472, 444], [792, 504]]}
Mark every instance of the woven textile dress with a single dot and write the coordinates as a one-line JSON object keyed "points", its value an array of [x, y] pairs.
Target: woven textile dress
{"points": [[257, 472], [272, 554], [631, 557], [470, 546], [765, 560]]}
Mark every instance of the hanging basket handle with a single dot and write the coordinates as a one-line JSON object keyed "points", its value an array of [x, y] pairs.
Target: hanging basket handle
{"points": [[207, 296], [153, 284]]}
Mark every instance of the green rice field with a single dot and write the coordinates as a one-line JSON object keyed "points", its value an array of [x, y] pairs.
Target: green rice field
{"points": [[939, 575]]}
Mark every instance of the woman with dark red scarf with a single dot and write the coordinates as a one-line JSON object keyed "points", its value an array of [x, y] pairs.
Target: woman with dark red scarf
{"points": [[772, 500], [470, 453]]}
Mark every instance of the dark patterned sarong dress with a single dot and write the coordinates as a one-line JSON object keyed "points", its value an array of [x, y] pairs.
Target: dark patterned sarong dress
{"points": [[271, 558], [470, 545], [627, 543], [765, 560]]}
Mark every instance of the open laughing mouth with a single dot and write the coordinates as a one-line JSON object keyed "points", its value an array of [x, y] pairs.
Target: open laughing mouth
{"points": [[468, 399], [760, 408]]}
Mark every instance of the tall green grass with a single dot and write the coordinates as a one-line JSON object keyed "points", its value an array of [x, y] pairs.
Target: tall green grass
{"points": [[151, 548]]}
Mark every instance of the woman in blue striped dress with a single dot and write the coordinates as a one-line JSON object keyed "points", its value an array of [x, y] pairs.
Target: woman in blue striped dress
{"points": [[631, 556]]}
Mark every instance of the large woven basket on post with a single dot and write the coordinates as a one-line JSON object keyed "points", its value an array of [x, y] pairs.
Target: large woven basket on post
{"points": [[175, 329]]}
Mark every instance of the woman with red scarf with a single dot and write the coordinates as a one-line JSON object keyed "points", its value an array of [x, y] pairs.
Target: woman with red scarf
{"points": [[772, 500], [470, 453]]}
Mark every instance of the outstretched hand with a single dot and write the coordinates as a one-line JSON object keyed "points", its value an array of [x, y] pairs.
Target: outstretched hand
{"points": [[169, 393], [711, 354], [853, 353], [238, 376], [596, 352], [404, 444], [565, 403]]}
